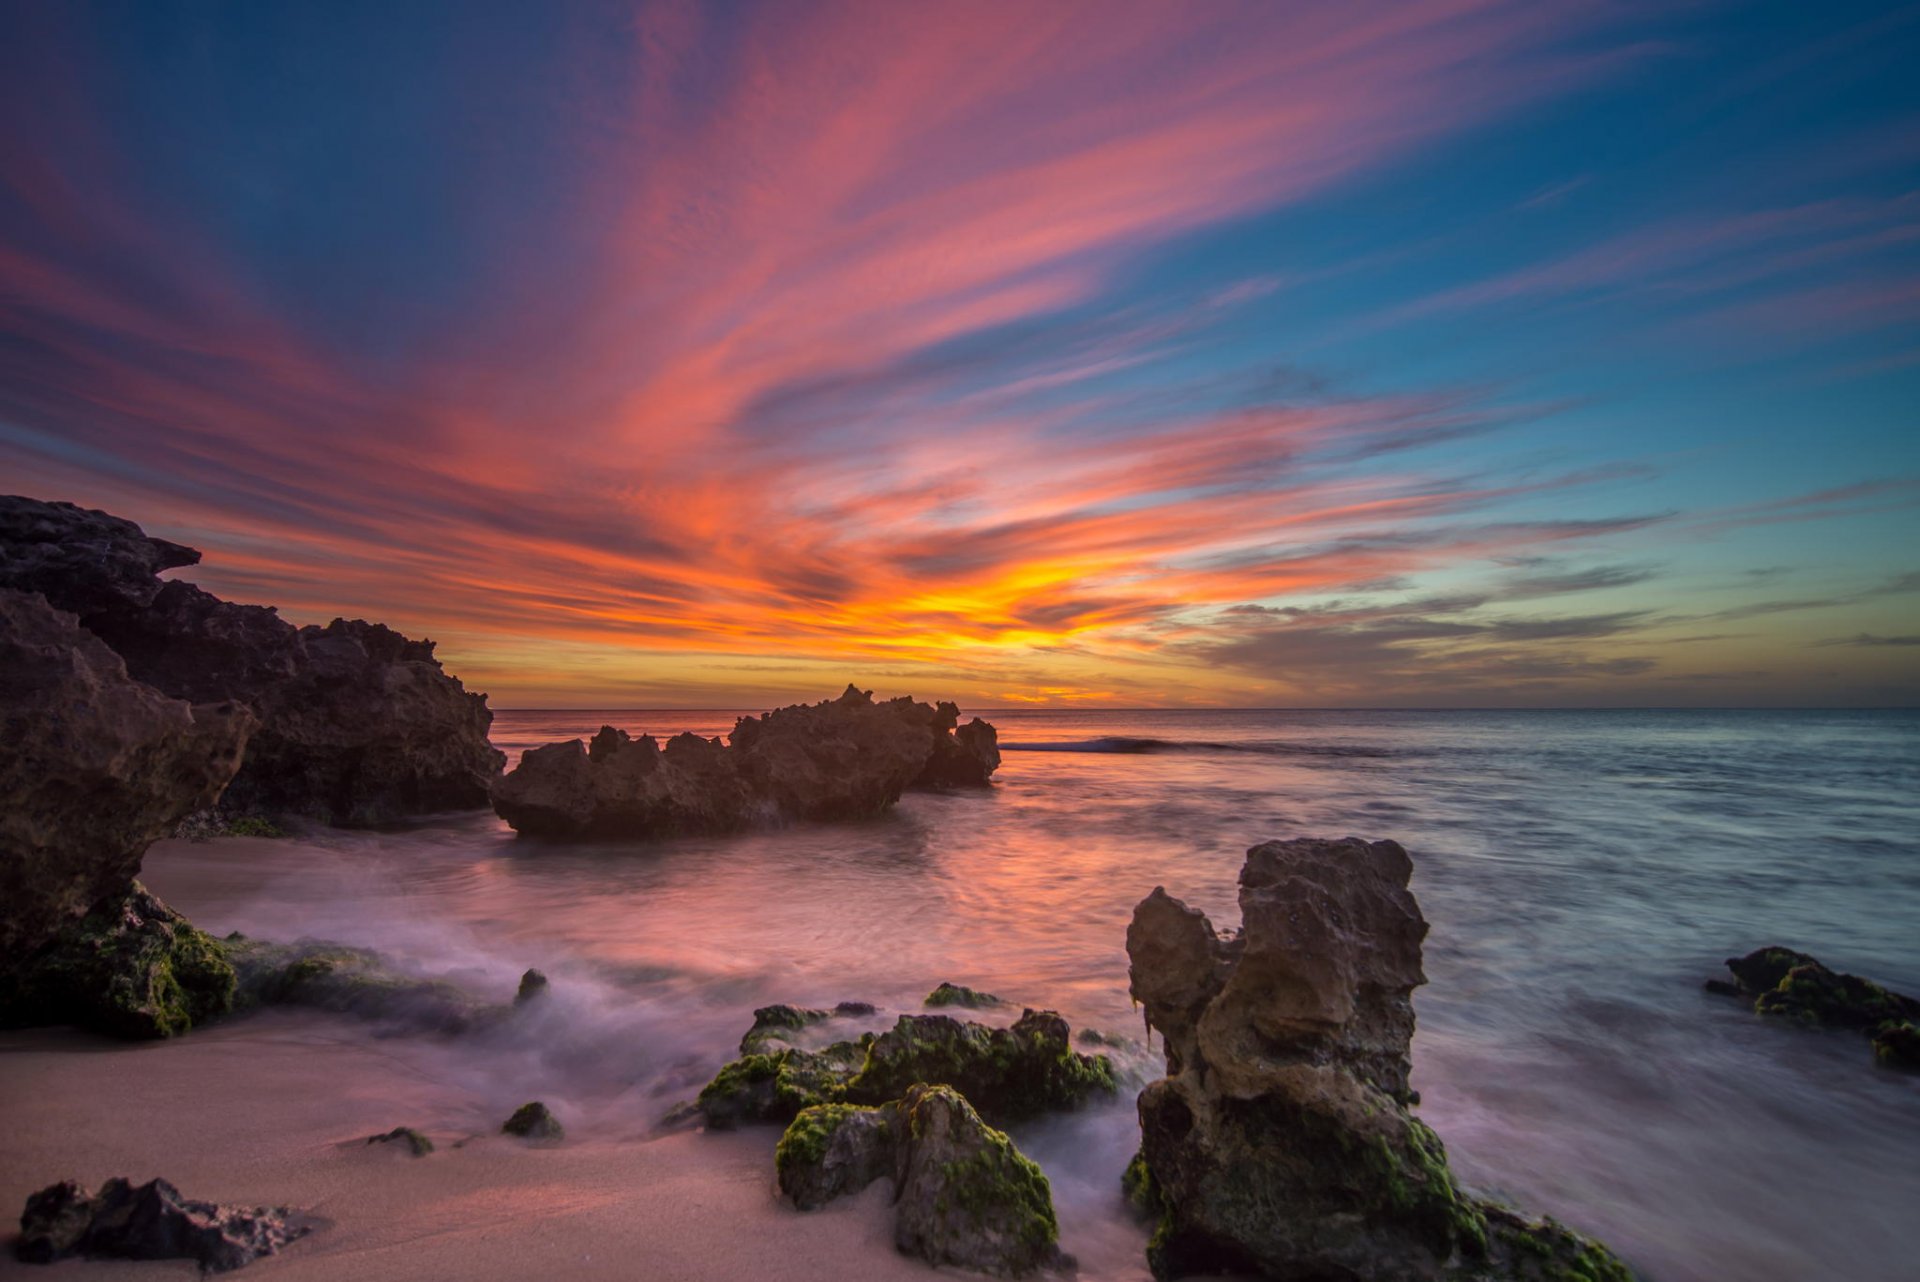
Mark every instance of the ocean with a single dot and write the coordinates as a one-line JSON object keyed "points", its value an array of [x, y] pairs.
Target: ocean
{"points": [[1583, 872]]}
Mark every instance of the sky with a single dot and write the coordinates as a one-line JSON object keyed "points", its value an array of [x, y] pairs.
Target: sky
{"points": [[1439, 353]]}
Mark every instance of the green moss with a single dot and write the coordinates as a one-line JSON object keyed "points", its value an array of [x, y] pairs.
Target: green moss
{"points": [[254, 826], [997, 1184], [1007, 1073], [1137, 1183], [805, 1139], [1548, 1251], [774, 1086], [131, 968], [1897, 1043]]}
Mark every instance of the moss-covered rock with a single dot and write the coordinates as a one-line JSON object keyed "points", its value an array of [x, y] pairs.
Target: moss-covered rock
{"points": [[967, 1197], [830, 1150], [1898, 1044], [1281, 1141], [131, 968], [350, 981], [959, 995], [416, 1143], [774, 1086], [533, 1121], [1780, 981], [1007, 1073]]}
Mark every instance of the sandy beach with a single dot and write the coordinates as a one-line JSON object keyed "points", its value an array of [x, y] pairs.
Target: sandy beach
{"points": [[255, 1110]]}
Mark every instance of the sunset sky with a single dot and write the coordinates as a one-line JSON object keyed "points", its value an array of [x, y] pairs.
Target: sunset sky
{"points": [[1453, 352]]}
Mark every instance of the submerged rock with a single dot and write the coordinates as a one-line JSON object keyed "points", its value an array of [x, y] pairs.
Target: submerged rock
{"points": [[533, 986], [1280, 1142], [151, 1221], [958, 995], [350, 981], [417, 1144], [533, 1121], [845, 758], [963, 1194], [97, 766], [358, 724], [1780, 981], [1008, 1073], [130, 968]]}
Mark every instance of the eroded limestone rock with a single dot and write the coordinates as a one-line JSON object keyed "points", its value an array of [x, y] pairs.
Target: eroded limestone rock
{"points": [[1280, 1141], [150, 1221], [1780, 981]]}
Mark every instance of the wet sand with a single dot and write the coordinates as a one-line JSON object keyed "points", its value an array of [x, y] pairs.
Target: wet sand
{"points": [[276, 1110]]}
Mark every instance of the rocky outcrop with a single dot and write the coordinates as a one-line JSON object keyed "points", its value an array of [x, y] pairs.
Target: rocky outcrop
{"points": [[358, 724], [1281, 1140], [1780, 981], [322, 975], [534, 1121], [1007, 1073], [963, 1194], [130, 968], [96, 767], [845, 758], [149, 1221]]}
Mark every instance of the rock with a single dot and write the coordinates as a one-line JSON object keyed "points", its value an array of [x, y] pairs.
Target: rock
{"points": [[1280, 1141], [533, 986], [830, 1150], [956, 995], [1011, 1073], [130, 968], [963, 1194], [1780, 981], [966, 1196], [358, 724], [417, 1144], [533, 1122], [773, 1024], [1007, 1073], [148, 1222], [96, 767], [845, 758], [351, 981]]}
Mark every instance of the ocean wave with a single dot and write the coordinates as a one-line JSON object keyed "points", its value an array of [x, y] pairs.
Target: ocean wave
{"points": [[1261, 747]]}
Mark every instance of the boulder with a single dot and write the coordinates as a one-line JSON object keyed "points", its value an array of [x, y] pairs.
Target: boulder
{"points": [[1009, 1073], [416, 1143], [1281, 1140], [1780, 981], [533, 1121], [358, 724], [948, 994], [845, 758], [963, 1194], [97, 766], [151, 1221], [130, 968], [344, 980]]}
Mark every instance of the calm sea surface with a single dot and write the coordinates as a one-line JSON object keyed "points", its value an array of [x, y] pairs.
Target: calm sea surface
{"points": [[1583, 871]]}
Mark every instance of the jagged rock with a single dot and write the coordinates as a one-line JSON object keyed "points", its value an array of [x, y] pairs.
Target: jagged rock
{"points": [[96, 766], [966, 1196], [350, 981], [150, 1221], [1780, 981], [130, 968], [958, 995], [533, 1121], [358, 723], [844, 758], [417, 1144], [1009, 1073], [963, 1194], [830, 1150], [1280, 1141], [533, 986]]}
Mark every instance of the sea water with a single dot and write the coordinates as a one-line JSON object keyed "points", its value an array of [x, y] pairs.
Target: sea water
{"points": [[1583, 872]]}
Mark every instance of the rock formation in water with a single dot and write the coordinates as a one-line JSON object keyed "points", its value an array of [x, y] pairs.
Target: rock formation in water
{"points": [[963, 1194], [845, 758], [1780, 981], [149, 1221], [534, 1121], [1007, 1073], [1280, 1142], [358, 724], [96, 767]]}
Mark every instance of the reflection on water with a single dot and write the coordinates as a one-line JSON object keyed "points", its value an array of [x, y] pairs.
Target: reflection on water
{"points": [[1583, 873]]}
